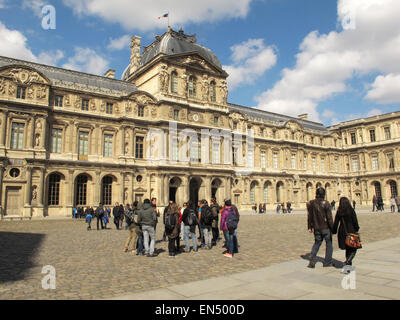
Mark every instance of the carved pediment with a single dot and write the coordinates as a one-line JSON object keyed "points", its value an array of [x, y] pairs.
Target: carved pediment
{"points": [[23, 76], [293, 126], [142, 98], [140, 190]]}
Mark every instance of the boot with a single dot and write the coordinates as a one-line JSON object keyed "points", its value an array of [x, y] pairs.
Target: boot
{"points": [[312, 263]]}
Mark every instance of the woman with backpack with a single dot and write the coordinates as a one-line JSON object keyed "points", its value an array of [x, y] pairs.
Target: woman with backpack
{"points": [[346, 220], [172, 229], [229, 223]]}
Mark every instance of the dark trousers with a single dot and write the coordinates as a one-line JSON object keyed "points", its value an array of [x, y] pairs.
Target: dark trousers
{"points": [[215, 233], [172, 249], [140, 244], [350, 254], [116, 222], [101, 221], [319, 236]]}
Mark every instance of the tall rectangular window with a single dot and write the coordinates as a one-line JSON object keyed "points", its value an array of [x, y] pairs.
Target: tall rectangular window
{"points": [[391, 160], [293, 161], [139, 148], [322, 165], [17, 134], [250, 157], [174, 150], [108, 145], [176, 115], [313, 164], [216, 121], [375, 163], [140, 111], [235, 154], [56, 139], [275, 160], [85, 105], [58, 101], [216, 152], [83, 143], [336, 165], [263, 160], [387, 133], [372, 135], [305, 163], [355, 164], [21, 92], [353, 138], [194, 152], [109, 108], [174, 82]]}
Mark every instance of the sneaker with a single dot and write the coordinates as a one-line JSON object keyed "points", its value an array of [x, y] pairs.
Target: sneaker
{"points": [[327, 265], [228, 255], [311, 264]]}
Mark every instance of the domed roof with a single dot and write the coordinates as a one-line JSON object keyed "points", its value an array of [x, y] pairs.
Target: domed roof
{"points": [[172, 43]]}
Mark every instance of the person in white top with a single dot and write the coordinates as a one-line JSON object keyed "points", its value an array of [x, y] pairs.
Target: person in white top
{"points": [[392, 204]]}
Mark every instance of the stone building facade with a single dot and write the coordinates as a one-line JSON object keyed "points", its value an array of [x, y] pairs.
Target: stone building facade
{"points": [[166, 130]]}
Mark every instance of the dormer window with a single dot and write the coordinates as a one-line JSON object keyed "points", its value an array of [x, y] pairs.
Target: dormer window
{"points": [[213, 91], [174, 82], [192, 86], [140, 111], [21, 92]]}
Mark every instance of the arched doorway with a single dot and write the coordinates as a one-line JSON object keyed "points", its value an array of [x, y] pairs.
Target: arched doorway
{"points": [[106, 190], [378, 190], [393, 188], [194, 187], [215, 184], [81, 190], [174, 184], [279, 193]]}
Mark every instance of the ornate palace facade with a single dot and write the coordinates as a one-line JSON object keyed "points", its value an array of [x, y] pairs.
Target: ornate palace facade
{"points": [[73, 139]]}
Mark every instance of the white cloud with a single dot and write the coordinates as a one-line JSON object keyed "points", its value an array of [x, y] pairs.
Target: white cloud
{"points": [[326, 62], [385, 89], [2, 3], [14, 45], [87, 60], [142, 15], [35, 5], [251, 59], [328, 114], [119, 43]]}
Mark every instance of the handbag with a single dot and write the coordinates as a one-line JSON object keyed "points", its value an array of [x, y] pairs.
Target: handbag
{"points": [[353, 240]]}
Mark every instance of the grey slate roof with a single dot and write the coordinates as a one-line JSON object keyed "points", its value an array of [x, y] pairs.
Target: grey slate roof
{"points": [[274, 117], [171, 43], [56, 75]]}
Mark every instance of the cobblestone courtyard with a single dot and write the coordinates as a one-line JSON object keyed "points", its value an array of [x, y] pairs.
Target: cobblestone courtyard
{"points": [[92, 265]]}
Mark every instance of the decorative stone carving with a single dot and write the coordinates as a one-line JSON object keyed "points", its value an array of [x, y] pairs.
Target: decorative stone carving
{"points": [[2, 86], [23, 76], [224, 91], [154, 111], [164, 78], [34, 193], [11, 89], [103, 106], [185, 80], [30, 93], [205, 88], [37, 140], [128, 107], [41, 92], [67, 100], [78, 102], [92, 105]]}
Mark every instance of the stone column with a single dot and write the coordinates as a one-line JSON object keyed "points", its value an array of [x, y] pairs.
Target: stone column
{"points": [[185, 186], [96, 189], [166, 189], [122, 187], [228, 189], [70, 189], [41, 188], [28, 188], [1, 189], [207, 188], [3, 122]]}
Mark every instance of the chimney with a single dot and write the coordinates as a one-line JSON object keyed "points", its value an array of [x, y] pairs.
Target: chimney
{"points": [[135, 54], [303, 116], [110, 74]]}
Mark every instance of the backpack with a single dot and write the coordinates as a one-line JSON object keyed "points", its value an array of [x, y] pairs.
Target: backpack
{"points": [[170, 222], [207, 216], [129, 216], [191, 218], [233, 220]]}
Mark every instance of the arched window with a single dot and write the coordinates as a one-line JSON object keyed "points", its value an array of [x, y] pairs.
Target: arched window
{"points": [[192, 86], [252, 192], [54, 189], [393, 188], [266, 192], [106, 190], [174, 82], [213, 91], [378, 191], [81, 190]]}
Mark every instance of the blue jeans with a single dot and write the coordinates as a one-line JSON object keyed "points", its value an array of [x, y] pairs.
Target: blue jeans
{"points": [[186, 237], [232, 244], [140, 247], [319, 236], [148, 231], [202, 236]]}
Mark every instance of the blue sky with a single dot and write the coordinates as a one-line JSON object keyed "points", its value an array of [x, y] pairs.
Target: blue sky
{"points": [[285, 56]]}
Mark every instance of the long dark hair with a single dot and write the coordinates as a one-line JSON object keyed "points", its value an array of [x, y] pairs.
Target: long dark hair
{"points": [[345, 207]]}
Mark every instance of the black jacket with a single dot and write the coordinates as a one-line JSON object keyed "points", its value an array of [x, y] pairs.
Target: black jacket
{"points": [[117, 212], [351, 222], [319, 215], [185, 215], [205, 211], [99, 212]]}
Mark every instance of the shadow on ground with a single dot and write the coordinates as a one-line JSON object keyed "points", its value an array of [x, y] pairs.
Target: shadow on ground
{"points": [[336, 263], [17, 251]]}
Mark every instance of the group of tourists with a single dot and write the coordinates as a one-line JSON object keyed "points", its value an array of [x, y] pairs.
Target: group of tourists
{"points": [[141, 220], [321, 223]]}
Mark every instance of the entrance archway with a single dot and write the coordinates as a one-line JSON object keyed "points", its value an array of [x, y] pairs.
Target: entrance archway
{"points": [[174, 184], [194, 187], [216, 186]]}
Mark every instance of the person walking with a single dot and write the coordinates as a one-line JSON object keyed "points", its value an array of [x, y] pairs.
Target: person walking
{"points": [[289, 207], [392, 204], [380, 204], [129, 218], [190, 220], [147, 218], [278, 208], [201, 233], [164, 238], [215, 208], [74, 212], [397, 200], [99, 213], [172, 229], [154, 205], [321, 223], [229, 224], [89, 218], [139, 245], [374, 203], [206, 219], [345, 222], [117, 215]]}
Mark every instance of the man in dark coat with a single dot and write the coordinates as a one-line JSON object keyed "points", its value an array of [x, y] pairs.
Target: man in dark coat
{"points": [[320, 222], [215, 208], [99, 216], [117, 214]]}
